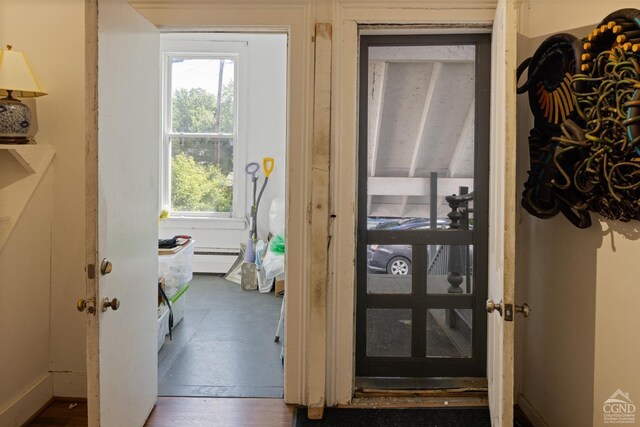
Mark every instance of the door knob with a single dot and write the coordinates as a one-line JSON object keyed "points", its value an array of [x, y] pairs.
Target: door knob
{"points": [[114, 304], [492, 306], [106, 267], [524, 309], [87, 305]]}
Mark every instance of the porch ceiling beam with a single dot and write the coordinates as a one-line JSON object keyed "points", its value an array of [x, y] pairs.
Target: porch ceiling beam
{"points": [[428, 100], [387, 186], [422, 211], [377, 104], [458, 154], [461, 53]]}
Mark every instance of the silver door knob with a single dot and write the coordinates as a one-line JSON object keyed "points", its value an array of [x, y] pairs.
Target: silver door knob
{"points": [[492, 306], [114, 304], [524, 309]]}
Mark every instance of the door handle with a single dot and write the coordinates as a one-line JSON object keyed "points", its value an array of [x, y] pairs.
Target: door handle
{"points": [[508, 309], [524, 309], [88, 305], [105, 267], [114, 304], [505, 310], [492, 306]]}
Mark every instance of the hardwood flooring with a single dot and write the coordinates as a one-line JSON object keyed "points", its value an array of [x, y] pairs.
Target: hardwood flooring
{"points": [[62, 413], [245, 412], [185, 411]]}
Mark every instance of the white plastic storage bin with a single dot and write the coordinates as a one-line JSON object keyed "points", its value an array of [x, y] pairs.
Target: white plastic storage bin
{"points": [[176, 268]]}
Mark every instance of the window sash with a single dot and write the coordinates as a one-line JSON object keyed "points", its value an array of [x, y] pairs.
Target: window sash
{"points": [[235, 171], [235, 51], [201, 135], [168, 59]]}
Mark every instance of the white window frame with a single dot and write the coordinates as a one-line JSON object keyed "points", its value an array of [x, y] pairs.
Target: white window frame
{"points": [[205, 45]]}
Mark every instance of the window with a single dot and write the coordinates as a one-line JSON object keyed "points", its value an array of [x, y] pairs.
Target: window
{"points": [[202, 173]]}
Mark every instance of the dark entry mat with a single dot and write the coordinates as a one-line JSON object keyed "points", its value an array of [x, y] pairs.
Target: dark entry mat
{"points": [[423, 417]]}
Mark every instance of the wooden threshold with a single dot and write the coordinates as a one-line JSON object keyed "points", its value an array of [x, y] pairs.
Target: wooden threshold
{"points": [[399, 402], [399, 392]]}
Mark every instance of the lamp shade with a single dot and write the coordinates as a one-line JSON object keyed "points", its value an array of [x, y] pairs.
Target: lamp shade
{"points": [[18, 75]]}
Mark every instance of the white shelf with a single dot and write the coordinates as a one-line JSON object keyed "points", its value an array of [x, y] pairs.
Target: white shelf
{"points": [[18, 181]]}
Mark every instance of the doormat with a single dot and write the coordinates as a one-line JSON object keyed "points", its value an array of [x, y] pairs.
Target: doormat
{"points": [[418, 417]]}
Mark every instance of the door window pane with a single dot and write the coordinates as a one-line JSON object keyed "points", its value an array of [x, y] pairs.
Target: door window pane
{"points": [[388, 333], [449, 332], [421, 133], [450, 269], [389, 269]]}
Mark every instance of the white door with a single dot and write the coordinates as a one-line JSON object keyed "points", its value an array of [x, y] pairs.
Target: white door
{"points": [[122, 344], [502, 199]]}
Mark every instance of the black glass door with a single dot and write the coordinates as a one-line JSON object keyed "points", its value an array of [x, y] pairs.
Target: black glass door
{"points": [[423, 206]]}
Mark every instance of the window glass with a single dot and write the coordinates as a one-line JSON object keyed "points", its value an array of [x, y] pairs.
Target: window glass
{"points": [[201, 174], [201, 133]]}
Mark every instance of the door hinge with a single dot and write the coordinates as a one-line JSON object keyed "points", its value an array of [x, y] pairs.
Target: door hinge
{"points": [[91, 271]]}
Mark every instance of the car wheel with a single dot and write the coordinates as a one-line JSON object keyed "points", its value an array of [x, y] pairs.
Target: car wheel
{"points": [[399, 266]]}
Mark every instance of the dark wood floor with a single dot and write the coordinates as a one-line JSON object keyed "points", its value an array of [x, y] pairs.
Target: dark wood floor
{"points": [[182, 411]]}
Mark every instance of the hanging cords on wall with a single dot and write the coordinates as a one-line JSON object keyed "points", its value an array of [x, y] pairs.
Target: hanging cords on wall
{"points": [[609, 102]]}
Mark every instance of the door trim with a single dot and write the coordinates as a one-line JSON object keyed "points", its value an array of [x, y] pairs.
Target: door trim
{"points": [[296, 20], [91, 199], [347, 22]]}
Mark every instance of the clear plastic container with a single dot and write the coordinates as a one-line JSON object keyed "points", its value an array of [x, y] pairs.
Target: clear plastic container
{"points": [[176, 268]]}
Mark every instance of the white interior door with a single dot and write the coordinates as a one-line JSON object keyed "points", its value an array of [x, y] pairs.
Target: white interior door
{"points": [[122, 343], [502, 199]]}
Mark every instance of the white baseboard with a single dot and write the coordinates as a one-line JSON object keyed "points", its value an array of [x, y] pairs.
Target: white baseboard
{"points": [[70, 384], [30, 401], [213, 263], [531, 412]]}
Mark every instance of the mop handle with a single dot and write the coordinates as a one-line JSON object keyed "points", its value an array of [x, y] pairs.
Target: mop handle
{"points": [[251, 169], [268, 163]]}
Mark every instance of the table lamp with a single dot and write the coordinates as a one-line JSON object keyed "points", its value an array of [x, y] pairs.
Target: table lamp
{"points": [[17, 78]]}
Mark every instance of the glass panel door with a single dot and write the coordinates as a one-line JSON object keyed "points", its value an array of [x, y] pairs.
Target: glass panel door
{"points": [[422, 208]]}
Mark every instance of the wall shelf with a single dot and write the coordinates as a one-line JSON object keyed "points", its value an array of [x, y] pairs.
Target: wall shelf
{"points": [[22, 168]]}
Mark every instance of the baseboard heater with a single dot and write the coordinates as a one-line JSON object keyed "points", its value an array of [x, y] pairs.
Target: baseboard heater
{"points": [[230, 252], [214, 260]]}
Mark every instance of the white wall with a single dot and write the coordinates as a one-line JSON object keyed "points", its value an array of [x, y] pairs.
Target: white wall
{"points": [[555, 16], [576, 348], [25, 381], [267, 115], [53, 38]]}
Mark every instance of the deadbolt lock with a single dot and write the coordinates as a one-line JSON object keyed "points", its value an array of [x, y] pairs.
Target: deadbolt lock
{"points": [[114, 304], [87, 305]]}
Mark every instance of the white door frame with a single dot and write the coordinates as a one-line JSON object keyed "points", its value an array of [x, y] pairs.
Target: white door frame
{"points": [[468, 16], [294, 19]]}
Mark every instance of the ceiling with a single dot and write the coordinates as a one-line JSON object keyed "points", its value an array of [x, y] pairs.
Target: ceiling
{"points": [[421, 121]]}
